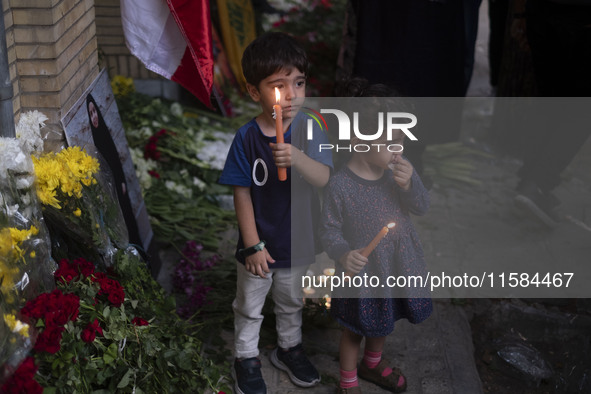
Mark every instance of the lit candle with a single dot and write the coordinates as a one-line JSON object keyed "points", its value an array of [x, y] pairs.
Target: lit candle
{"points": [[377, 239], [278, 115], [374, 242], [308, 290]]}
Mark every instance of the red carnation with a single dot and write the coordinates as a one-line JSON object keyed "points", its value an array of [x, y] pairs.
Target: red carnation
{"points": [[49, 340], [138, 321], [22, 380]]}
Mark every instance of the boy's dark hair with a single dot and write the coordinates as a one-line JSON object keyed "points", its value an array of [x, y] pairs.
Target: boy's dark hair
{"points": [[270, 53]]}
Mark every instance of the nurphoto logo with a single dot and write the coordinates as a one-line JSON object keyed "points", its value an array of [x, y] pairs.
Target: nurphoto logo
{"points": [[402, 121]]}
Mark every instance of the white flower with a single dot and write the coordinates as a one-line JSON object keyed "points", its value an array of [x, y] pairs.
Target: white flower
{"points": [[26, 199], [11, 210], [214, 152], [28, 131], [180, 189], [24, 182], [142, 168], [177, 110], [199, 183], [12, 159], [146, 132]]}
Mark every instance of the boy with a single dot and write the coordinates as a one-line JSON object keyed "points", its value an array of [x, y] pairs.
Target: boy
{"points": [[263, 208]]}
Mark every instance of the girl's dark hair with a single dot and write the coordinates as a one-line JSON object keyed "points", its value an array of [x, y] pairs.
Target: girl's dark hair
{"points": [[360, 87], [270, 53]]}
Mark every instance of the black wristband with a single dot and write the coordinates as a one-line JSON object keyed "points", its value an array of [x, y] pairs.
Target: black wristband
{"points": [[252, 249]]}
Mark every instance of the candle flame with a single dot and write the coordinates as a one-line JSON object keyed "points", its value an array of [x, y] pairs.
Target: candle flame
{"points": [[391, 225], [277, 96]]}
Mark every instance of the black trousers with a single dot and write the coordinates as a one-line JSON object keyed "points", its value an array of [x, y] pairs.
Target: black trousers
{"points": [[559, 36]]}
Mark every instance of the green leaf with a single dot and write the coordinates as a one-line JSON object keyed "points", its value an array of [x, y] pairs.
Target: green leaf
{"points": [[125, 379], [106, 311], [111, 353]]}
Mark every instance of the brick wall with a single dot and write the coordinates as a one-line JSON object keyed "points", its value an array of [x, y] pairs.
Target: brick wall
{"points": [[11, 52], [114, 55], [52, 54]]}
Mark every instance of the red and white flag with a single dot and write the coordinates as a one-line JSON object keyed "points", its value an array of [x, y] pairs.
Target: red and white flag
{"points": [[172, 38]]}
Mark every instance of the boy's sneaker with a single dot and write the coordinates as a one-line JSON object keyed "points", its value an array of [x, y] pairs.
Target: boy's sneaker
{"points": [[248, 377], [294, 361]]}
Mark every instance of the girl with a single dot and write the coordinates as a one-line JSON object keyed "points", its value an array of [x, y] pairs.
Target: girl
{"points": [[371, 190]]}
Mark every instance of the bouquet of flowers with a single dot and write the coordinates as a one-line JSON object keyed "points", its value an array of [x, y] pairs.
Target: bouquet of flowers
{"points": [[83, 214], [25, 262], [95, 335]]}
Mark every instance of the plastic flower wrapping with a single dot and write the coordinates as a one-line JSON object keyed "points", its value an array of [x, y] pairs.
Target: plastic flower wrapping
{"points": [[26, 265]]}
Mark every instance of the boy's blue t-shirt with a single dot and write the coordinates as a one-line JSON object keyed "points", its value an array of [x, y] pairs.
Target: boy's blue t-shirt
{"points": [[250, 163]]}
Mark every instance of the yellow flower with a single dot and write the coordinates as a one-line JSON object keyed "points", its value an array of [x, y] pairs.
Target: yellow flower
{"points": [[18, 236], [16, 326], [33, 254], [5, 244], [122, 86], [77, 212], [8, 274], [67, 171]]}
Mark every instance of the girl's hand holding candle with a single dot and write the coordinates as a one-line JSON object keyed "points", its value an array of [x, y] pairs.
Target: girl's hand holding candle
{"points": [[374, 242], [365, 252], [278, 115]]}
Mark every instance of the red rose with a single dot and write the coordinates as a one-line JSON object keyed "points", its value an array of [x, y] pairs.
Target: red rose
{"points": [[22, 380], [36, 307], [116, 297], [49, 340], [88, 335], [154, 174], [71, 305], [62, 308], [138, 321], [65, 273], [84, 267], [113, 290], [98, 276]]}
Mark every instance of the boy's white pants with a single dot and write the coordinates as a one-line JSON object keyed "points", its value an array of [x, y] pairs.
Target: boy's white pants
{"points": [[251, 291]]}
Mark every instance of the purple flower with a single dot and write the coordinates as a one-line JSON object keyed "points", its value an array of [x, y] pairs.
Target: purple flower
{"points": [[187, 278]]}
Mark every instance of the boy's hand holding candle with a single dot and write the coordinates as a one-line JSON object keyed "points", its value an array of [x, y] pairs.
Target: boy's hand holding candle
{"points": [[278, 115]]}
